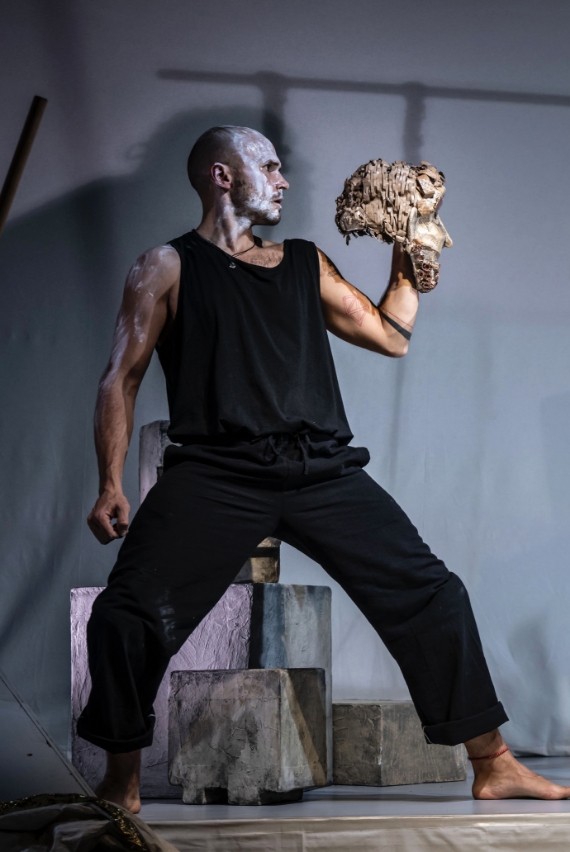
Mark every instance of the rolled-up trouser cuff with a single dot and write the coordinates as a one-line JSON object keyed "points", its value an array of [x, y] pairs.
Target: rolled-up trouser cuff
{"points": [[115, 746], [453, 733]]}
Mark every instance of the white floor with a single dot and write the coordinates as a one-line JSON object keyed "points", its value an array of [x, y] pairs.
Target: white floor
{"points": [[416, 800], [408, 819]]}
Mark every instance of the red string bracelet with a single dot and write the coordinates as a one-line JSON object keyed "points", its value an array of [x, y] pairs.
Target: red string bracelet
{"points": [[491, 756]]}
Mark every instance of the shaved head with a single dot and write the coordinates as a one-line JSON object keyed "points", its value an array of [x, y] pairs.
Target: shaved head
{"points": [[238, 167], [225, 144]]}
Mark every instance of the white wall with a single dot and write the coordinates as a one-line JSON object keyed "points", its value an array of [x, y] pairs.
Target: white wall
{"points": [[469, 432]]}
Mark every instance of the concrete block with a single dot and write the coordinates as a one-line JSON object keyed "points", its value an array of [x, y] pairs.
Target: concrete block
{"points": [[153, 440], [252, 626], [250, 737], [263, 565], [291, 628], [221, 640], [381, 743]]}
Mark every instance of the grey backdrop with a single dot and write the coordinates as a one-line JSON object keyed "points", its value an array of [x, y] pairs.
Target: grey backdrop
{"points": [[469, 432]]}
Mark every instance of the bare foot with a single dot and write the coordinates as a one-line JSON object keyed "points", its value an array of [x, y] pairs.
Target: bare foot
{"points": [[121, 782], [504, 777]]}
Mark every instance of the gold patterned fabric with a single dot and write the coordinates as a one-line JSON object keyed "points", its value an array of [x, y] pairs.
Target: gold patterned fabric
{"points": [[76, 823]]}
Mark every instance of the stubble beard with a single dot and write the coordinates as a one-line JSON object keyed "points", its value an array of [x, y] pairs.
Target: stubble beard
{"points": [[252, 206]]}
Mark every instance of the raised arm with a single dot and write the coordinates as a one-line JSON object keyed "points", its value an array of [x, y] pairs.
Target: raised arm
{"points": [[148, 306], [386, 327]]}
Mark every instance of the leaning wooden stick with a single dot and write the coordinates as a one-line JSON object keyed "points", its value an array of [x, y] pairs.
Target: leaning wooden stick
{"points": [[20, 157]]}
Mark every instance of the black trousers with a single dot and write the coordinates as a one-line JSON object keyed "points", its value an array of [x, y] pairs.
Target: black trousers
{"points": [[202, 520]]}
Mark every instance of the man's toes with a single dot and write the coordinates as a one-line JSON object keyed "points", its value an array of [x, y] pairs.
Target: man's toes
{"points": [[563, 792]]}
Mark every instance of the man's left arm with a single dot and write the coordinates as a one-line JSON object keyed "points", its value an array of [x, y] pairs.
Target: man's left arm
{"points": [[350, 315]]}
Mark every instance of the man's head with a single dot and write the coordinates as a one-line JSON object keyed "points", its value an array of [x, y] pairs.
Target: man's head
{"points": [[241, 165]]}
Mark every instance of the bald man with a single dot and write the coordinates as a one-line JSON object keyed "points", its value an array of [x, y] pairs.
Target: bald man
{"points": [[262, 447]]}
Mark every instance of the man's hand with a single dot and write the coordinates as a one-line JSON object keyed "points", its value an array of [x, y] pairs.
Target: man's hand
{"points": [[109, 506]]}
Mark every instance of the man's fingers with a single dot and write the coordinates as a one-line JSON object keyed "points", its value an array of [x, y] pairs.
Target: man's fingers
{"points": [[122, 525], [101, 527], [102, 535]]}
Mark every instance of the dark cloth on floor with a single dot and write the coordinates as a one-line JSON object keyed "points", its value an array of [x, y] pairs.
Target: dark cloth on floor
{"points": [[74, 823], [203, 519]]}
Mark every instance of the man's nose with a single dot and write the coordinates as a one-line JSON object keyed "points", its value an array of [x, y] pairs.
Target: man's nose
{"points": [[282, 183]]}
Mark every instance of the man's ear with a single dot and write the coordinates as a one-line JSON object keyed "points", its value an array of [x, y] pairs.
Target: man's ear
{"points": [[221, 175]]}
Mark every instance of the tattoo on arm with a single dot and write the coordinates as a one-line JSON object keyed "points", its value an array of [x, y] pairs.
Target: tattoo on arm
{"points": [[356, 305], [403, 331], [329, 268], [353, 307]]}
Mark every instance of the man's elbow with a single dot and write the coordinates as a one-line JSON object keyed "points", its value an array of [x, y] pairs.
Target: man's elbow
{"points": [[398, 350], [119, 382]]}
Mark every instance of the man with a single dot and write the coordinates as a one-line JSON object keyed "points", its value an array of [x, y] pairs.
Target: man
{"points": [[240, 326]]}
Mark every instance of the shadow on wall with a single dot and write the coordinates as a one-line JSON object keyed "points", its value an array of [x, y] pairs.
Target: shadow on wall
{"points": [[274, 90], [62, 269]]}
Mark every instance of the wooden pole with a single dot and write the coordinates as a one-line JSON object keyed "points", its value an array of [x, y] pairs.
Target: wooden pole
{"points": [[20, 157]]}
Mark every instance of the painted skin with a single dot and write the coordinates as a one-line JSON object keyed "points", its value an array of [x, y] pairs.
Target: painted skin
{"points": [[235, 199]]}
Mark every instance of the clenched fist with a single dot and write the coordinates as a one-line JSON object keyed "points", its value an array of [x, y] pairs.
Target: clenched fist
{"points": [[111, 506]]}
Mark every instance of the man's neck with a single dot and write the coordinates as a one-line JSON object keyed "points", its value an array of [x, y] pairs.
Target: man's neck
{"points": [[225, 229]]}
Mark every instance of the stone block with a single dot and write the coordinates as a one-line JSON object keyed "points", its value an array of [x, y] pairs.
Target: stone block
{"points": [[381, 743], [252, 626], [221, 640], [250, 737], [153, 440], [263, 565], [291, 628]]}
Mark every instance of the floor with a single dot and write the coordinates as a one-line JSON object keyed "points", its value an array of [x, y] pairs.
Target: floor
{"points": [[416, 800], [418, 818], [450, 799]]}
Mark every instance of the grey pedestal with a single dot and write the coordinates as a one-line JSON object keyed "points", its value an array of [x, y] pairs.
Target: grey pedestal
{"points": [[250, 737], [252, 626], [381, 743], [291, 628]]}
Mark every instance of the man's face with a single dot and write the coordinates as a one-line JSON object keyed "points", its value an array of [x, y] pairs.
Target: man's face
{"points": [[258, 188]]}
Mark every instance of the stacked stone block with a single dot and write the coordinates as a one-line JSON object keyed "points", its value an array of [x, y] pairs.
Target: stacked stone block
{"points": [[221, 641], [237, 634], [381, 744], [248, 738]]}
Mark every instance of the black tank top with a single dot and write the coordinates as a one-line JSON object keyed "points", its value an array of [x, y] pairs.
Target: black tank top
{"points": [[248, 354]]}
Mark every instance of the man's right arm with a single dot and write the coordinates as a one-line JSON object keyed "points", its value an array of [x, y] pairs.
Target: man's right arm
{"points": [[146, 310]]}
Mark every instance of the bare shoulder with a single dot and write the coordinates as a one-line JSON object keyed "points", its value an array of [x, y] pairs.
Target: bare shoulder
{"points": [[328, 268], [155, 271]]}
